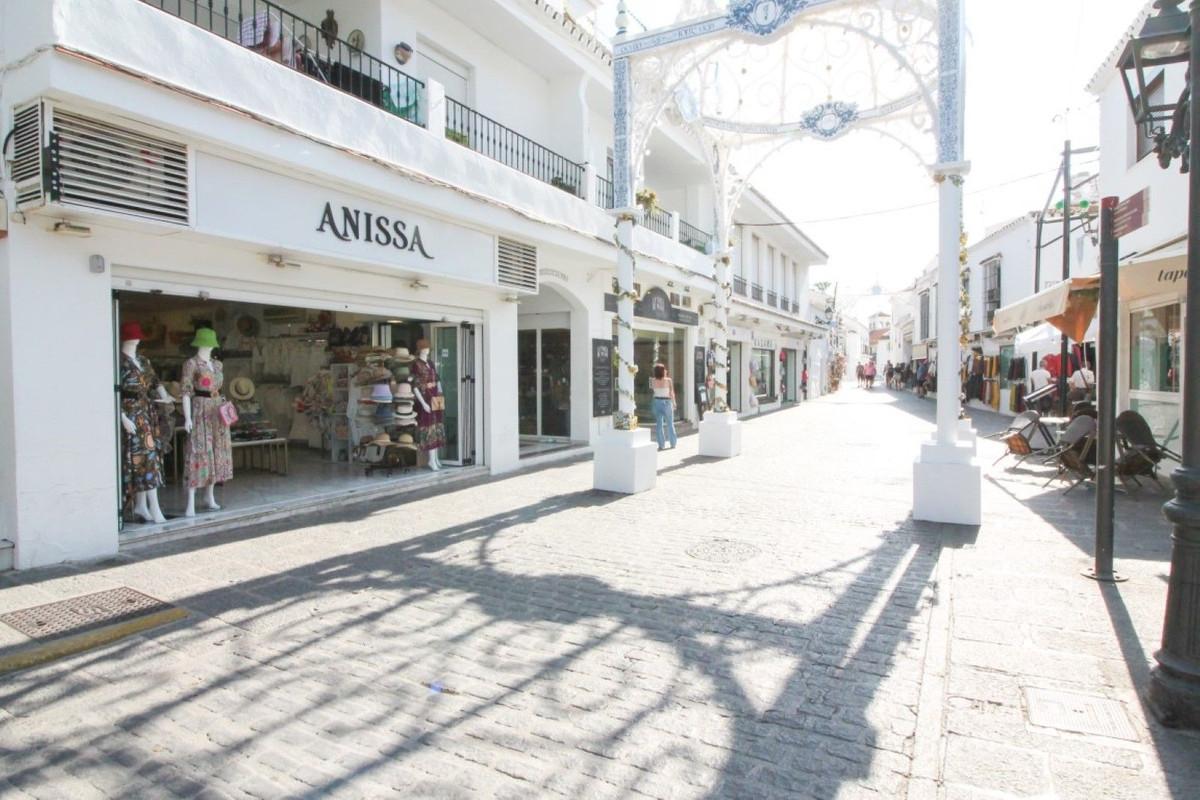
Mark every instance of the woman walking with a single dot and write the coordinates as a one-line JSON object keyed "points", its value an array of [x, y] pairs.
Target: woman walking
{"points": [[664, 405]]}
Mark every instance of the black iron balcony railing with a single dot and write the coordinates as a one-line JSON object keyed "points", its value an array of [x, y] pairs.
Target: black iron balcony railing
{"points": [[658, 221], [604, 192], [772, 299], [795, 307], [756, 292], [693, 237], [278, 34], [785, 304], [739, 285], [484, 135]]}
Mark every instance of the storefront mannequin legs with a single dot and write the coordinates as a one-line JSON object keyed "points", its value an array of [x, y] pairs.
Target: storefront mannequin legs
{"points": [[209, 452], [431, 432], [142, 446]]}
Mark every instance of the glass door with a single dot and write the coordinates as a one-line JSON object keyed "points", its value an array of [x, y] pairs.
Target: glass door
{"points": [[544, 383], [555, 384], [447, 352]]}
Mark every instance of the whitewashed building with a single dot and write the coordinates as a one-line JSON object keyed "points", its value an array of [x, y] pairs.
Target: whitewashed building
{"points": [[320, 180], [1153, 271]]}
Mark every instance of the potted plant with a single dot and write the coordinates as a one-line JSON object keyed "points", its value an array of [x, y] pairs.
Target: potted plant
{"points": [[648, 199], [567, 186]]}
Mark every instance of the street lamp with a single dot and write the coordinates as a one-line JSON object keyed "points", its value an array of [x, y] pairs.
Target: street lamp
{"points": [[1173, 37]]}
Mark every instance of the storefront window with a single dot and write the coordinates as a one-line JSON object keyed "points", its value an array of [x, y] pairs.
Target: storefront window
{"points": [[650, 348], [1154, 349], [762, 368]]}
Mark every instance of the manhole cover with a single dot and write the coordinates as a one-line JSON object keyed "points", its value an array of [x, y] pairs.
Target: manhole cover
{"points": [[726, 551], [80, 614], [1080, 713]]}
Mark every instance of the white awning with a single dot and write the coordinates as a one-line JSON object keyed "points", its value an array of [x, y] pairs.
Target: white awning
{"points": [[1163, 272], [1069, 306]]}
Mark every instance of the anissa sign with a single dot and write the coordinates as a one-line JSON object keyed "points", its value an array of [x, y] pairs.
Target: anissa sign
{"points": [[250, 204], [350, 224], [655, 304]]}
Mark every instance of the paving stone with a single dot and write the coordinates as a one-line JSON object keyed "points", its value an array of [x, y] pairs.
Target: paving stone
{"points": [[529, 637]]}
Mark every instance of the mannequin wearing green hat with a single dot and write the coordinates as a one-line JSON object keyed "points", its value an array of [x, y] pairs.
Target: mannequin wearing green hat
{"points": [[209, 452]]}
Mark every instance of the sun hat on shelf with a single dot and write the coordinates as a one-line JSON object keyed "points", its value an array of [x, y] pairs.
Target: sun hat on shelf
{"points": [[241, 388]]}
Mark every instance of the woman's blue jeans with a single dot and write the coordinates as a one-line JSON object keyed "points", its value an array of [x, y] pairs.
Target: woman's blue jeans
{"points": [[664, 416]]}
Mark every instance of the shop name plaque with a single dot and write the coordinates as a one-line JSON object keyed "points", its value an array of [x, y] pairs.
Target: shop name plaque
{"points": [[352, 224], [602, 377]]}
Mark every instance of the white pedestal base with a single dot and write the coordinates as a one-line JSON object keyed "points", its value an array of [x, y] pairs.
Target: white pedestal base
{"points": [[625, 462], [967, 435], [720, 435], [947, 485]]}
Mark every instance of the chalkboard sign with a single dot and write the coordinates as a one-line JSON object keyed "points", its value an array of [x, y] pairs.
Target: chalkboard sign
{"points": [[602, 377], [700, 366]]}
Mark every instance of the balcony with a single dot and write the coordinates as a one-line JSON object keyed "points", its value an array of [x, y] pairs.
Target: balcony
{"points": [[279, 35], [739, 285], [693, 237], [658, 221], [795, 307], [604, 193], [785, 304], [484, 135], [756, 292], [772, 299]]}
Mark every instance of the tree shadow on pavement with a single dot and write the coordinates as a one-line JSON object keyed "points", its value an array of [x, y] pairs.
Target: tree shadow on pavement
{"points": [[413, 667]]}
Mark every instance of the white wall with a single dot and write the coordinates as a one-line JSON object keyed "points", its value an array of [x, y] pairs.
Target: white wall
{"points": [[62, 418]]}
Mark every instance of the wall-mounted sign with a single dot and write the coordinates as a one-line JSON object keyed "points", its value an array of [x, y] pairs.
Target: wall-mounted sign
{"points": [[353, 224], [1131, 214], [602, 377], [273, 211], [655, 304]]}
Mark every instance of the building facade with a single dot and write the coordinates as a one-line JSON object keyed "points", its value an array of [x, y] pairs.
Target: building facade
{"points": [[326, 185]]}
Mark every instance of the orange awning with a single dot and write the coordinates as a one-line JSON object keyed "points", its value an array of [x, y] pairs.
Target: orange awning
{"points": [[1069, 306]]}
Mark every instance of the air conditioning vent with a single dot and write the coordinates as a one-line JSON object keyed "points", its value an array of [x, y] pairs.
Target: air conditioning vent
{"points": [[28, 156], [518, 265], [103, 166]]}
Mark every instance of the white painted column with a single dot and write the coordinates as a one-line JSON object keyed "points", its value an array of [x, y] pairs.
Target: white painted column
{"points": [[720, 431], [435, 108], [946, 476], [625, 459]]}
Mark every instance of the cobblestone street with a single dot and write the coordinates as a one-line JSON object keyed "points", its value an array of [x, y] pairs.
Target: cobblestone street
{"points": [[770, 626]]}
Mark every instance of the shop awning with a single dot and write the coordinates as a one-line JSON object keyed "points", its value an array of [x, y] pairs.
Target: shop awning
{"points": [[1070, 307], [1045, 338], [1158, 273]]}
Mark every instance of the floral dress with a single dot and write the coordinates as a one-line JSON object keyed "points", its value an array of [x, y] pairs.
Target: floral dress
{"points": [[141, 451], [209, 452], [431, 430]]}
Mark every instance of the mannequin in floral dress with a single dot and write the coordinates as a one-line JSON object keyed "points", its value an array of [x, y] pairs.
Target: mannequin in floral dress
{"points": [[209, 452], [147, 428], [431, 430]]}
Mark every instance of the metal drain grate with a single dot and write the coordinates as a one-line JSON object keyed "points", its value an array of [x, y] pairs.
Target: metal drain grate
{"points": [[1079, 713], [81, 614], [724, 551]]}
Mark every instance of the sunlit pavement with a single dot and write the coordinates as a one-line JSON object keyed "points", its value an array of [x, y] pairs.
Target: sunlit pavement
{"points": [[770, 626]]}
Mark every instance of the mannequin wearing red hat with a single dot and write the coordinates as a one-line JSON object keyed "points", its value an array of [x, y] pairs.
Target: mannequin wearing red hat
{"points": [[145, 418]]}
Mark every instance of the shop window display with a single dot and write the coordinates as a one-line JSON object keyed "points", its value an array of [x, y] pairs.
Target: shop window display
{"points": [[263, 405], [1154, 349], [762, 373]]}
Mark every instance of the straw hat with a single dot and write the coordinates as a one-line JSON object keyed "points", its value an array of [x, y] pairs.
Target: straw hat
{"points": [[241, 388], [381, 393], [406, 440], [404, 391], [402, 354]]}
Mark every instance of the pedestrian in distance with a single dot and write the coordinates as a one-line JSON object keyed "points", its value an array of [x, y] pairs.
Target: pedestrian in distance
{"points": [[869, 374], [889, 375], [664, 406], [1081, 383], [804, 383], [861, 373]]}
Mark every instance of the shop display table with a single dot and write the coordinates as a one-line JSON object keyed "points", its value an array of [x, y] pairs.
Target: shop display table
{"points": [[268, 454]]}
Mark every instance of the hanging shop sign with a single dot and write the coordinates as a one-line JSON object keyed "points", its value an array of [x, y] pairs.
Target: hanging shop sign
{"points": [[237, 201], [655, 304], [1132, 214], [602, 376]]}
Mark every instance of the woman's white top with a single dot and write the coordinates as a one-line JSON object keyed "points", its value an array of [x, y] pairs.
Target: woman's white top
{"points": [[661, 387]]}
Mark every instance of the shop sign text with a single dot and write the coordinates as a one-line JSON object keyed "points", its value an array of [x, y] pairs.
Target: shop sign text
{"points": [[363, 226]]}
